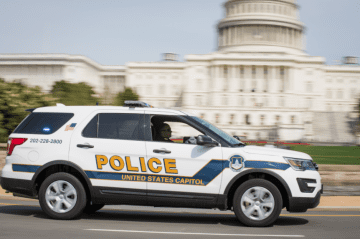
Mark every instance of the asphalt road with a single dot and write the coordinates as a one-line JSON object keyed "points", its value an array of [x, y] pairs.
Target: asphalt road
{"points": [[24, 219]]}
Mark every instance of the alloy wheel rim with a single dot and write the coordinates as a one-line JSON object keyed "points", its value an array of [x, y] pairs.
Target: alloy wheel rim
{"points": [[61, 196], [257, 203]]}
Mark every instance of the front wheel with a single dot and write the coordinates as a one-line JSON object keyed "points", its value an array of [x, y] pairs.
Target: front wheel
{"points": [[62, 196], [257, 203]]}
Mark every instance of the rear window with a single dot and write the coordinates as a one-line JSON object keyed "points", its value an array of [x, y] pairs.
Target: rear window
{"points": [[43, 123]]}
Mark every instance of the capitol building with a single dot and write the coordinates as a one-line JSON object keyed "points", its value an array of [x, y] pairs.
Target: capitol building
{"points": [[260, 83]]}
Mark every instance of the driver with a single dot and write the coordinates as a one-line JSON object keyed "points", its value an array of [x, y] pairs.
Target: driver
{"points": [[163, 133]]}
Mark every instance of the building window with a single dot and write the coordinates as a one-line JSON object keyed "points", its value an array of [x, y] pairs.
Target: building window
{"points": [[242, 78], [225, 72], [282, 79], [262, 119], [232, 119], [247, 120], [253, 86], [293, 119], [217, 118], [266, 78]]}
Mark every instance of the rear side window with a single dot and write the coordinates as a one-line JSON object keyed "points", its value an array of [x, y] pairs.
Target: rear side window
{"points": [[43, 123], [115, 126], [90, 130]]}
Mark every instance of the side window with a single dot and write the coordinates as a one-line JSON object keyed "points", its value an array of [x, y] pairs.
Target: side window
{"points": [[172, 129], [90, 130], [120, 126], [115, 126]]}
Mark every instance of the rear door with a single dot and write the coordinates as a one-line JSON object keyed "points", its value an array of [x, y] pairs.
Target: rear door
{"points": [[109, 146]]}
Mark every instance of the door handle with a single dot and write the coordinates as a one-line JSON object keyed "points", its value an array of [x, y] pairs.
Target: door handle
{"points": [[85, 146], [165, 151]]}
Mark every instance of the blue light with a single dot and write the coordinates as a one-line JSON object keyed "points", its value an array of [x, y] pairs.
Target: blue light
{"points": [[46, 129]]}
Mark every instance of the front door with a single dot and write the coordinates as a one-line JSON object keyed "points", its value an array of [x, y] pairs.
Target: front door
{"points": [[181, 173]]}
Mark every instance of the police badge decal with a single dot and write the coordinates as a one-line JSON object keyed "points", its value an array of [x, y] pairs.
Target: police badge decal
{"points": [[236, 163]]}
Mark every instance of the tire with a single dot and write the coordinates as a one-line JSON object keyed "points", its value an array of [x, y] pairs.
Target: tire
{"points": [[92, 208], [257, 203], [62, 196]]}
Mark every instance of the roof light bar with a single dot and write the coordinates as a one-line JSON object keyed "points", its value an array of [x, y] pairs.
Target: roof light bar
{"points": [[133, 104]]}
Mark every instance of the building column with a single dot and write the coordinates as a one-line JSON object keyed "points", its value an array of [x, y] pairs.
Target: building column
{"points": [[260, 79], [291, 78], [229, 37], [272, 79]]}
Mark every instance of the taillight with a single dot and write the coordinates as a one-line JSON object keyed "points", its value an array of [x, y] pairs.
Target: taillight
{"points": [[12, 142]]}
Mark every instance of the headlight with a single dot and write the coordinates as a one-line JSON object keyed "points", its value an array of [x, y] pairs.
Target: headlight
{"points": [[300, 164]]}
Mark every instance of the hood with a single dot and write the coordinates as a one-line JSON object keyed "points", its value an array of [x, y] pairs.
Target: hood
{"points": [[275, 151]]}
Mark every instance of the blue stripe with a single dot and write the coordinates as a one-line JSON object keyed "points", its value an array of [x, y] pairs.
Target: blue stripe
{"points": [[25, 168], [202, 178], [268, 165]]}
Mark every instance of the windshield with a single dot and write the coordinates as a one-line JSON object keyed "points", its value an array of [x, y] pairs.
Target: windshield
{"points": [[219, 132]]}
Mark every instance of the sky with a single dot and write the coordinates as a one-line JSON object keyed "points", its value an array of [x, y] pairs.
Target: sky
{"points": [[114, 32]]}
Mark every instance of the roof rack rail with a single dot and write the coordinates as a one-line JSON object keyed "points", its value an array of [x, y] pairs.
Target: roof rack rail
{"points": [[133, 104]]}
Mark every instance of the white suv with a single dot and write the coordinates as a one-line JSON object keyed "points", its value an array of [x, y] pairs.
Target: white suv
{"points": [[77, 159]]}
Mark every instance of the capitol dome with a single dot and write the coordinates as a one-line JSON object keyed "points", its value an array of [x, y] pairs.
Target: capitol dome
{"points": [[261, 26]]}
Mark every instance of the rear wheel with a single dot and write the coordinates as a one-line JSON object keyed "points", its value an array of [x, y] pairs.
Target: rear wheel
{"points": [[257, 203], [62, 196]]}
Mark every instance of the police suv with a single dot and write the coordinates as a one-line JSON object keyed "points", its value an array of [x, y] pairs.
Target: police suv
{"points": [[77, 159]]}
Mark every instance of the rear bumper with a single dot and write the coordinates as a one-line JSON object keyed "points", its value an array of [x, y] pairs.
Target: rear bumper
{"points": [[19, 186], [297, 204]]}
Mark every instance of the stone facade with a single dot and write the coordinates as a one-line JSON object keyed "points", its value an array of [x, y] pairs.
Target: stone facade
{"points": [[259, 84]]}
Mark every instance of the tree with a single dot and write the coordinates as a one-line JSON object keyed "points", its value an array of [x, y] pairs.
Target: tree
{"points": [[128, 94], [74, 94], [15, 98]]}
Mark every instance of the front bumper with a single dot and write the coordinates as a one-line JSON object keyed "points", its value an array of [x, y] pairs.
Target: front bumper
{"points": [[298, 204]]}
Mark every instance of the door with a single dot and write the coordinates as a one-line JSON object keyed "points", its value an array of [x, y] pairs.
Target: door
{"points": [[109, 146], [181, 173]]}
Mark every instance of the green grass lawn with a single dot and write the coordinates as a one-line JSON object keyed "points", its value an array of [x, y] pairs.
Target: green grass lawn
{"points": [[331, 154]]}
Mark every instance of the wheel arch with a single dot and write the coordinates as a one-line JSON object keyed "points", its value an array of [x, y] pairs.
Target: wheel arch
{"points": [[257, 173], [61, 166]]}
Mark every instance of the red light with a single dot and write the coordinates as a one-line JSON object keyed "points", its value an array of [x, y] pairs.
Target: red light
{"points": [[12, 142]]}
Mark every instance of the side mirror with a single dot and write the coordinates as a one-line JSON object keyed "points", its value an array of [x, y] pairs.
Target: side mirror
{"points": [[205, 141]]}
